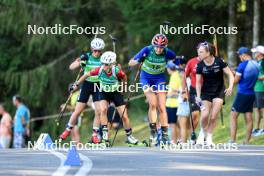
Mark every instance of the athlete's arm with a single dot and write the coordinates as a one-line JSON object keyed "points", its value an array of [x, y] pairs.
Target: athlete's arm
{"points": [[198, 85], [132, 62], [83, 78], [230, 75], [139, 57], [75, 64], [121, 75]]}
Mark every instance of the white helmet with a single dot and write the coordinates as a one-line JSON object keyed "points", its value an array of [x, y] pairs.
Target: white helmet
{"points": [[97, 44], [108, 57]]}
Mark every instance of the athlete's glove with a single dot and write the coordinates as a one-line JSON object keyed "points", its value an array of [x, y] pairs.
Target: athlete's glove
{"points": [[142, 59], [83, 61], [73, 87]]}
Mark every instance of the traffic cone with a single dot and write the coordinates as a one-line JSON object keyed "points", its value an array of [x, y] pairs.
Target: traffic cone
{"points": [[73, 158]]}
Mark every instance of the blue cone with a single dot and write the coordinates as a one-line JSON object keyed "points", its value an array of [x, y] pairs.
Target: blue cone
{"points": [[48, 144], [73, 158]]}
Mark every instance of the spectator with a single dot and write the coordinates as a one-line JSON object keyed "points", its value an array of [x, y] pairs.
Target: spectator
{"points": [[259, 90], [21, 123], [172, 102], [190, 71], [246, 77], [5, 127]]}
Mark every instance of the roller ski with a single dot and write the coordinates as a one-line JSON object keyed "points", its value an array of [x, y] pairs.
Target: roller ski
{"points": [[153, 140], [65, 133], [138, 144], [96, 142], [133, 142]]}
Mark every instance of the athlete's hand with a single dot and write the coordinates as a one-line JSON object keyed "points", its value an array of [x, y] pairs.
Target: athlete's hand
{"points": [[228, 91], [83, 60], [83, 57], [198, 100], [73, 87]]}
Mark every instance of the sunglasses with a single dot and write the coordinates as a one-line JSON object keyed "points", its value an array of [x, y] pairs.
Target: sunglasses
{"points": [[205, 44], [97, 51], [158, 47], [107, 64]]}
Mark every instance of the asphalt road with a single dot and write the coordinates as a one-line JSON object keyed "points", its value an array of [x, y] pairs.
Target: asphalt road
{"points": [[247, 160]]}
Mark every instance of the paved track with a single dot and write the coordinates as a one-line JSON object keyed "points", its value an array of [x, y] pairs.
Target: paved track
{"points": [[247, 160]]}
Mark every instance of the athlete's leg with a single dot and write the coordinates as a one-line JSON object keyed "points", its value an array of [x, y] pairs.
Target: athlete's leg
{"points": [[122, 111], [152, 101], [77, 111], [204, 121], [216, 107], [103, 118], [96, 122], [162, 108], [205, 114], [163, 115]]}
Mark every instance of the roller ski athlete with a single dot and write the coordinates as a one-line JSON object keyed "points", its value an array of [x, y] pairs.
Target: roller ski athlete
{"points": [[109, 75], [153, 60], [87, 62]]}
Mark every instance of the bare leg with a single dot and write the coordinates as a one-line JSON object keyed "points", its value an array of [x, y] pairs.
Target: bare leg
{"points": [[125, 118], [152, 112], [77, 111], [257, 115], [183, 128], [195, 116], [205, 114], [233, 125], [162, 109], [217, 105], [249, 124]]}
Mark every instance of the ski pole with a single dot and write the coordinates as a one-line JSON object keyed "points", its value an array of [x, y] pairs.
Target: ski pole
{"points": [[114, 40], [129, 94], [217, 54], [193, 135], [66, 103]]}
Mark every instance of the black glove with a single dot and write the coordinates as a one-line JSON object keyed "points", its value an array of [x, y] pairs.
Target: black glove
{"points": [[73, 87], [142, 59], [84, 59]]}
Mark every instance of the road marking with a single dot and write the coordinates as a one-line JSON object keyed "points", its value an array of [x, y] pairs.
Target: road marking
{"points": [[61, 170], [86, 165]]}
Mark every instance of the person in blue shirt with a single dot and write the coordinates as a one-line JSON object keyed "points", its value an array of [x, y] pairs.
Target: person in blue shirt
{"points": [[21, 123], [153, 59], [246, 77]]}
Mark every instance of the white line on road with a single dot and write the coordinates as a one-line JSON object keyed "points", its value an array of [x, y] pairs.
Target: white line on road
{"points": [[61, 170], [86, 165]]}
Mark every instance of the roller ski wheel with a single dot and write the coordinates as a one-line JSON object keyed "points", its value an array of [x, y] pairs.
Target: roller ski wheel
{"points": [[138, 144], [100, 144]]}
